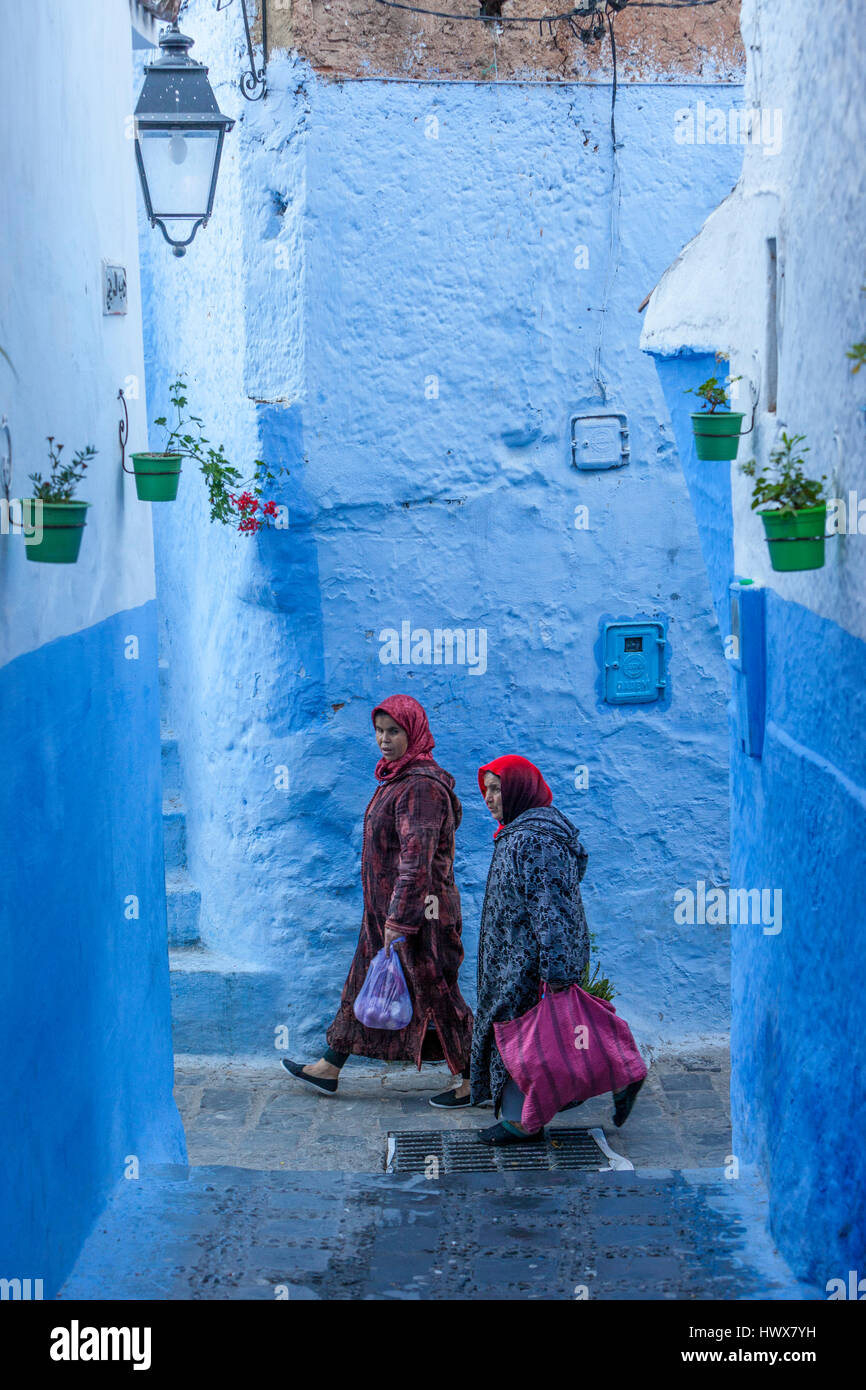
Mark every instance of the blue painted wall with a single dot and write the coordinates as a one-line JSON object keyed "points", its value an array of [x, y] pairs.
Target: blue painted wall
{"points": [[84, 1000], [709, 484], [798, 826], [85, 1033], [357, 260]]}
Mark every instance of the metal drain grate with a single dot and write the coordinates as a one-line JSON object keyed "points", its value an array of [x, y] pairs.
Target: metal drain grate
{"points": [[436, 1152]]}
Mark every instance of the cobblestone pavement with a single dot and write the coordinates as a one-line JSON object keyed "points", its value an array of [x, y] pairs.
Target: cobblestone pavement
{"points": [[286, 1197], [257, 1116], [234, 1233]]}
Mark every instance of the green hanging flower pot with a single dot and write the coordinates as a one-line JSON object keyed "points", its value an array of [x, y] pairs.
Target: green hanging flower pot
{"points": [[157, 476], [796, 538], [61, 518], [717, 435], [62, 528], [791, 505], [716, 428]]}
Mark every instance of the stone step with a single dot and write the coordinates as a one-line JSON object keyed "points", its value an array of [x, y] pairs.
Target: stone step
{"points": [[222, 1005], [171, 779], [174, 833], [183, 901]]}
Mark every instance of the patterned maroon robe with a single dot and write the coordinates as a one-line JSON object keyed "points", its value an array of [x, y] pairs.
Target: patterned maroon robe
{"points": [[407, 872]]}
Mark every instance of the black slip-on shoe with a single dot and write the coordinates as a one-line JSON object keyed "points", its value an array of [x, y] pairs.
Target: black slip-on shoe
{"points": [[498, 1135], [449, 1100], [624, 1100], [324, 1083]]}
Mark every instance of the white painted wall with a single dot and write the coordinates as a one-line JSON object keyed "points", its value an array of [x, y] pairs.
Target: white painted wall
{"points": [[806, 70], [67, 168]]}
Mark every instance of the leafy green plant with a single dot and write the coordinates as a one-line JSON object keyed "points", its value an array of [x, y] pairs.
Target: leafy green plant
{"points": [[712, 392], [601, 988], [857, 353], [783, 485], [187, 437], [64, 477]]}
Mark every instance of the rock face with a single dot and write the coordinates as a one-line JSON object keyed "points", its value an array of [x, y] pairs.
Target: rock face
{"points": [[405, 294]]}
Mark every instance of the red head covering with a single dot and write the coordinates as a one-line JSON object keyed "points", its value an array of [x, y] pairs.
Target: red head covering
{"points": [[522, 787], [411, 717]]}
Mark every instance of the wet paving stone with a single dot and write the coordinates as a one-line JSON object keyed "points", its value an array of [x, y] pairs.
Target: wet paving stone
{"points": [[686, 1081], [695, 1100], [287, 1197], [369, 1236]]}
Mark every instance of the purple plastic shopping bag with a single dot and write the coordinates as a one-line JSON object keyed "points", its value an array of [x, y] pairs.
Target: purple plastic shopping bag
{"points": [[384, 1000], [569, 1047]]}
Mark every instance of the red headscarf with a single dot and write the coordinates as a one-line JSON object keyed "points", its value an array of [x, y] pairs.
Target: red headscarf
{"points": [[522, 787], [411, 717]]}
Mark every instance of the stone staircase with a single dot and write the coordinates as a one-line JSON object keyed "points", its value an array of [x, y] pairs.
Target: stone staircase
{"points": [[219, 1005], [183, 899]]}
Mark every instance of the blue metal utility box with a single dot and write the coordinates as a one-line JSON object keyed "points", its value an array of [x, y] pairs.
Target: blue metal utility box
{"points": [[599, 441], [634, 662]]}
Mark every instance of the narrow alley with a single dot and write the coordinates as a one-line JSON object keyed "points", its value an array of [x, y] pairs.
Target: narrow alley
{"points": [[432, 674]]}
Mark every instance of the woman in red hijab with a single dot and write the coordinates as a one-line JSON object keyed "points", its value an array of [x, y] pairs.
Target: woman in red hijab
{"points": [[407, 874], [533, 926]]}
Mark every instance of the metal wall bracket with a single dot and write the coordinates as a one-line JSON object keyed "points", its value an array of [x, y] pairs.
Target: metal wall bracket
{"points": [[6, 459], [123, 432], [253, 84]]}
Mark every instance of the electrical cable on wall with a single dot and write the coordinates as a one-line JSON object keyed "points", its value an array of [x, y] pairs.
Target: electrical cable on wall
{"points": [[614, 240], [599, 10]]}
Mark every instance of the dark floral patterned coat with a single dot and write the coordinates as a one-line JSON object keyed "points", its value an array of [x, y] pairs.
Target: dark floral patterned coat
{"points": [[533, 928], [407, 873]]}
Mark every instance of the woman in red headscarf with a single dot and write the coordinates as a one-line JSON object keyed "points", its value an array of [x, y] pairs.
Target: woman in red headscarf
{"points": [[407, 873], [533, 926]]}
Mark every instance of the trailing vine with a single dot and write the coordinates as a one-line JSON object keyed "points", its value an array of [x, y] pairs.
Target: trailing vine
{"points": [[244, 505]]}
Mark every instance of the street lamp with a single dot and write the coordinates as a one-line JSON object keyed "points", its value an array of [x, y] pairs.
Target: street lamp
{"points": [[179, 132]]}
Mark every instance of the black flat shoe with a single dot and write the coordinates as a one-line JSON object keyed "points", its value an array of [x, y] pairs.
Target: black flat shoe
{"points": [[624, 1100], [324, 1083], [498, 1136], [449, 1100]]}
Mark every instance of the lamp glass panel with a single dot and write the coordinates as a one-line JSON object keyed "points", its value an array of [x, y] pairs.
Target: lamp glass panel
{"points": [[179, 170]]}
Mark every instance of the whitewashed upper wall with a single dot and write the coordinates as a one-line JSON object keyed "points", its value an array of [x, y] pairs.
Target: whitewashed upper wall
{"points": [[68, 174], [803, 182]]}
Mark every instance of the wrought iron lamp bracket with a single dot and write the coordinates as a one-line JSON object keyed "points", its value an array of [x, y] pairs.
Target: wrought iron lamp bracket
{"points": [[253, 84]]}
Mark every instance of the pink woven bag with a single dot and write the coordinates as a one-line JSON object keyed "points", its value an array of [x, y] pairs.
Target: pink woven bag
{"points": [[569, 1047]]}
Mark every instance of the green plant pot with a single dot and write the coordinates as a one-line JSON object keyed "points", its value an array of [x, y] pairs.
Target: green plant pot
{"points": [[156, 476], [717, 436], [796, 539], [62, 528]]}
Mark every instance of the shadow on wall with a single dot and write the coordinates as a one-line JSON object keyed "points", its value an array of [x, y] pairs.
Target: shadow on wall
{"points": [[287, 575]]}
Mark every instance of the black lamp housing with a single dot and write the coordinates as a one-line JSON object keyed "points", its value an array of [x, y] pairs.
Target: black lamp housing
{"points": [[179, 133]]}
